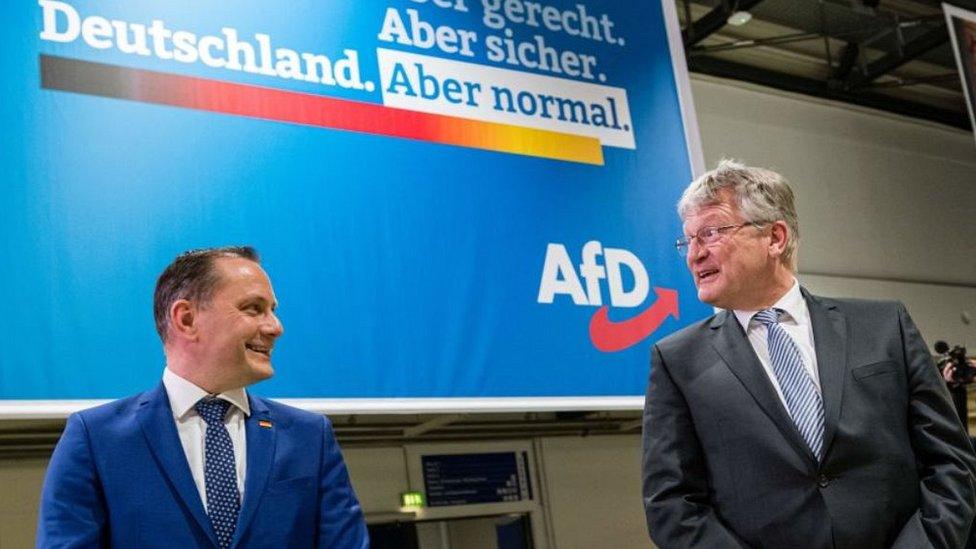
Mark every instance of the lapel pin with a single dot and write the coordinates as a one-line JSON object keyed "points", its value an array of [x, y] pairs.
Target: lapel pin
{"points": [[264, 423]]}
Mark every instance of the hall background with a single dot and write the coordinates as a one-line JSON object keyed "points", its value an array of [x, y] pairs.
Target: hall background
{"points": [[886, 206]]}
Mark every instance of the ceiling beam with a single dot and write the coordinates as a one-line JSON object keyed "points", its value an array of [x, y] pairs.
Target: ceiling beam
{"points": [[818, 88], [630, 425], [846, 22], [965, 4], [848, 58], [431, 424], [928, 40], [713, 21], [849, 55]]}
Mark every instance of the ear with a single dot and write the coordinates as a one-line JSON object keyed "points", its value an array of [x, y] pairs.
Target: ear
{"points": [[778, 233], [182, 319]]}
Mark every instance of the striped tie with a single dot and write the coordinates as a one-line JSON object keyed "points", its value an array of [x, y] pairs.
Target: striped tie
{"points": [[802, 397]]}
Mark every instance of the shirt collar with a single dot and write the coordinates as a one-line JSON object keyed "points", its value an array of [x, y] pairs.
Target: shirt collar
{"points": [[791, 303], [183, 395]]}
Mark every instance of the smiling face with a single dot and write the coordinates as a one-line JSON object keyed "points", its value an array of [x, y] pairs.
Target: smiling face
{"points": [[236, 328], [742, 270]]}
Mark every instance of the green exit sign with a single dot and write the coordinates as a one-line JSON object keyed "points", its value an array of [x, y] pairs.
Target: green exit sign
{"points": [[412, 499]]}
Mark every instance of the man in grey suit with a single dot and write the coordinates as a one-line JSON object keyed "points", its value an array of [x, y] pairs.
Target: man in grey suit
{"points": [[789, 420]]}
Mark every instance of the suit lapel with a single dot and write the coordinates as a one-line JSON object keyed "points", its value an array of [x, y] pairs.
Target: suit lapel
{"points": [[830, 342], [260, 430], [159, 428], [730, 343]]}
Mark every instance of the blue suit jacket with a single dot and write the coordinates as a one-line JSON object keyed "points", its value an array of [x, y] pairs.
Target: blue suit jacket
{"points": [[119, 477]]}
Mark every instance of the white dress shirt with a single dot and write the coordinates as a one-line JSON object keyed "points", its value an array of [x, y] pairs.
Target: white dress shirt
{"points": [[183, 396], [796, 322]]}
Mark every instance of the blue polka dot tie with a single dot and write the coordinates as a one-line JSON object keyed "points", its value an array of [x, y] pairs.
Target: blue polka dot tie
{"points": [[803, 400], [219, 471]]}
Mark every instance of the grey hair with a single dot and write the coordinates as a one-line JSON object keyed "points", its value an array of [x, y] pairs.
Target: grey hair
{"points": [[763, 196]]}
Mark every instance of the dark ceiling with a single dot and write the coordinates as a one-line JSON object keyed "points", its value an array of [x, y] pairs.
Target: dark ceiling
{"points": [[893, 55]]}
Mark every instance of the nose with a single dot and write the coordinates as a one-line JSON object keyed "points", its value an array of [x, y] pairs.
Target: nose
{"points": [[696, 251], [273, 326]]}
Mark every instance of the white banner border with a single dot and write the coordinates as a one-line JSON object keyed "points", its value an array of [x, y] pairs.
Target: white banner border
{"points": [[60, 409]]}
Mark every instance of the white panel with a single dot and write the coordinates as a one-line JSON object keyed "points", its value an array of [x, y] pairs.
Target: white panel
{"points": [[593, 492], [473, 534], [379, 476], [878, 195], [433, 535], [21, 480]]}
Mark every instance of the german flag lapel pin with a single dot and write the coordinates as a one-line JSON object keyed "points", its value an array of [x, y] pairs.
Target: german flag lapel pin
{"points": [[264, 423]]}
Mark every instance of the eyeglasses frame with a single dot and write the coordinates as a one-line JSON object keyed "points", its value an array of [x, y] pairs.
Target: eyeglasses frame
{"points": [[683, 244]]}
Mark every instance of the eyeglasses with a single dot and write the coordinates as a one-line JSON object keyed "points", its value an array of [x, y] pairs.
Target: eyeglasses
{"points": [[709, 235]]}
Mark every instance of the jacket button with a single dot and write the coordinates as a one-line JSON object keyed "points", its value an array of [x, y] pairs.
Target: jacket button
{"points": [[822, 480]]}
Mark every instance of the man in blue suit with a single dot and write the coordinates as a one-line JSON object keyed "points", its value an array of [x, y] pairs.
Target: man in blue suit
{"points": [[197, 461]]}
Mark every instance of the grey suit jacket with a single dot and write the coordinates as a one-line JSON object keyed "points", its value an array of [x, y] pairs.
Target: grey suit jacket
{"points": [[724, 465]]}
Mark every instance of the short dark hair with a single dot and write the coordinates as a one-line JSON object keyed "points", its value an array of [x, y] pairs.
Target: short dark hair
{"points": [[191, 276]]}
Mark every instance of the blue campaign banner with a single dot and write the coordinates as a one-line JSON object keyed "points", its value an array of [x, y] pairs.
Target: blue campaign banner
{"points": [[453, 198]]}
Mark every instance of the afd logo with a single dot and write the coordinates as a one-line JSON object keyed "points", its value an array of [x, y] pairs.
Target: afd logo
{"points": [[559, 276]]}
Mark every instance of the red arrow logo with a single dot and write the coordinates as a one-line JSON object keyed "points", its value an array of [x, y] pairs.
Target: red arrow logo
{"points": [[609, 336]]}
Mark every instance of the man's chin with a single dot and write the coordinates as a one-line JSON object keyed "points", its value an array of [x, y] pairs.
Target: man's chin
{"points": [[705, 295], [261, 371]]}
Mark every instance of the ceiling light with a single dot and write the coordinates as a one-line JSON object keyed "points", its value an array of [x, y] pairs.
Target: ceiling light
{"points": [[739, 18]]}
